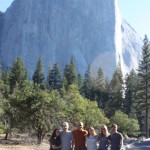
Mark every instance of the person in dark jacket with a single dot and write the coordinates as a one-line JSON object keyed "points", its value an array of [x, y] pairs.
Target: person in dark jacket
{"points": [[55, 140]]}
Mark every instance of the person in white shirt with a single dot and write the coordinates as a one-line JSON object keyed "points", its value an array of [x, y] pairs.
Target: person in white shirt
{"points": [[91, 139]]}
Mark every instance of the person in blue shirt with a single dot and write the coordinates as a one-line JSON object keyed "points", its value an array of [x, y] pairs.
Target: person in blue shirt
{"points": [[103, 138]]}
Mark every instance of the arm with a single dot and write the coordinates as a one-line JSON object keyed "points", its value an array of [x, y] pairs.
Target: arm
{"points": [[86, 141], [121, 141], [73, 141], [109, 139]]}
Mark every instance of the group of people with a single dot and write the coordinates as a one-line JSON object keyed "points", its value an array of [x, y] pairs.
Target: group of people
{"points": [[80, 139]]}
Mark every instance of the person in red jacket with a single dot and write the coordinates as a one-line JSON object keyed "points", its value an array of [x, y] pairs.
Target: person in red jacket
{"points": [[79, 137]]}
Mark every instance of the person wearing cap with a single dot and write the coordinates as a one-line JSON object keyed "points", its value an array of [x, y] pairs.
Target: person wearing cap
{"points": [[116, 138], [79, 136], [66, 137]]}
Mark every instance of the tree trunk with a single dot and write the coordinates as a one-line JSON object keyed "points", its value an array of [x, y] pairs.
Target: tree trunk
{"points": [[39, 137], [6, 136], [147, 134]]}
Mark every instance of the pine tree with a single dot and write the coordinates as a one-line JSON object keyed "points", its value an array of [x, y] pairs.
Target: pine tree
{"points": [[115, 101], [87, 89], [17, 74], [48, 77], [80, 82], [70, 73], [73, 73], [38, 76], [130, 94], [100, 80], [143, 103], [55, 78], [100, 88]]}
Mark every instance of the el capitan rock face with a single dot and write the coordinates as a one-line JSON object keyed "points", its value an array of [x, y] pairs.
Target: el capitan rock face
{"points": [[92, 31]]}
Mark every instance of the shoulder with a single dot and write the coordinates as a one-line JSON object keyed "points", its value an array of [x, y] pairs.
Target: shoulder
{"points": [[69, 132], [74, 131], [120, 134]]}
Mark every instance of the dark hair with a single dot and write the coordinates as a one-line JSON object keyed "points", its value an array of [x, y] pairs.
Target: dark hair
{"points": [[114, 125], [53, 135]]}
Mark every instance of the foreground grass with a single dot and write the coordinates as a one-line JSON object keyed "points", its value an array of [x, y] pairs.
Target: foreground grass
{"points": [[21, 144], [43, 146]]}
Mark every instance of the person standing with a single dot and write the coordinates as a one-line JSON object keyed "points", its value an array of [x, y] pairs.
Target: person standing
{"points": [[91, 139], [79, 137], [66, 137], [116, 138], [103, 138], [55, 141]]}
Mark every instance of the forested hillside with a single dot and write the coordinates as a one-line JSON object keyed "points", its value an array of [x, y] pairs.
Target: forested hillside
{"points": [[40, 104]]}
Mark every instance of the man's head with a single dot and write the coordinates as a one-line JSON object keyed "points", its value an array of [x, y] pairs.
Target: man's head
{"points": [[80, 126], [65, 126], [114, 127]]}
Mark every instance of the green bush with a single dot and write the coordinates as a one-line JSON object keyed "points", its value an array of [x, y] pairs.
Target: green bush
{"points": [[125, 124]]}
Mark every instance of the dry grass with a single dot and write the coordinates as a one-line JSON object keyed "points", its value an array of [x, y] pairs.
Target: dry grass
{"points": [[19, 144], [43, 146]]}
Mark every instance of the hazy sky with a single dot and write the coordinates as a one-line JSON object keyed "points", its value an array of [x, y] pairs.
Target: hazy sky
{"points": [[135, 12]]}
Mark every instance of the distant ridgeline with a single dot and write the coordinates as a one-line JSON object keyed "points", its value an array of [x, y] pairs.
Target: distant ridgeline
{"points": [[93, 32]]}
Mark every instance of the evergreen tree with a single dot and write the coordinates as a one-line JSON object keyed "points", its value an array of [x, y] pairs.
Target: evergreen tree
{"points": [[48, 77], [115, 101], [38, 76], [73, 73], [100, 88], [70, 73], [100, 80], [130, 93], [17, 74], [143, 102], [5, 78], [87, 89], [80, 82], [55, 78]]}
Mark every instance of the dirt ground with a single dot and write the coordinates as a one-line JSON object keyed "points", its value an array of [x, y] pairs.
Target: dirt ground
{"points": [[19, 144], [43, 146]]}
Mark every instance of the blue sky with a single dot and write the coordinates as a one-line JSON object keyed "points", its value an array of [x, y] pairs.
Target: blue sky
{"points": [[135, 12]]}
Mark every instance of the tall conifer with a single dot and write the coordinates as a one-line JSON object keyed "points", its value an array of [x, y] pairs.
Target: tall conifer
{"points": [[38, 76], [17, 74], [143, 103]]}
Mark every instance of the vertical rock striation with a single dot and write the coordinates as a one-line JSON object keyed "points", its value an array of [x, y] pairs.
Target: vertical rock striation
{"points": [[92, 31]]}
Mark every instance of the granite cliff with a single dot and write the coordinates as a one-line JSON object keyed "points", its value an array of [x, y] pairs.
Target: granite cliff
{"points": [[92, 31]]}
